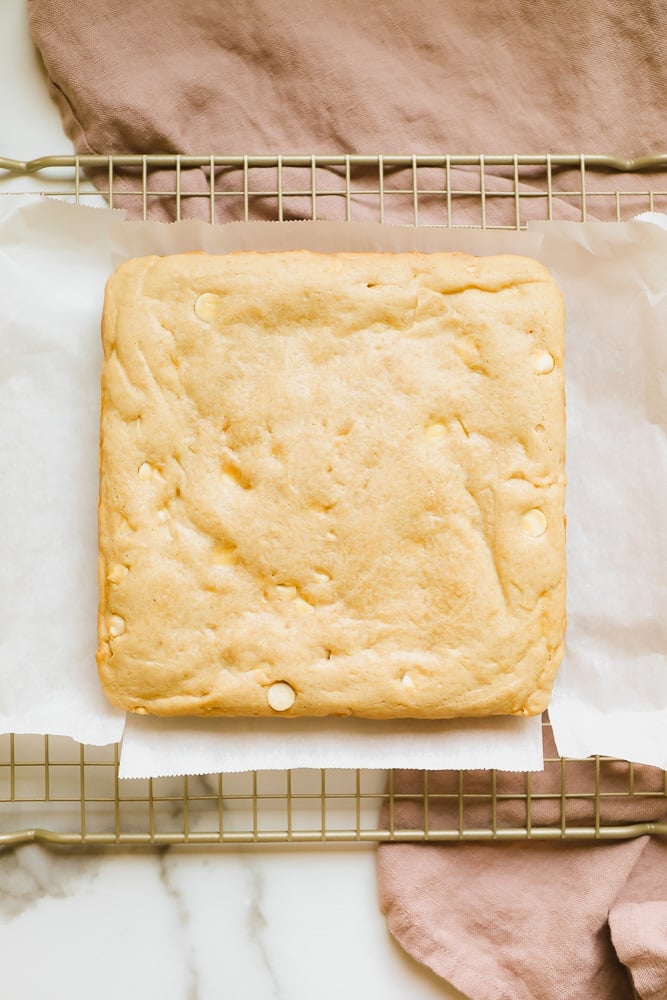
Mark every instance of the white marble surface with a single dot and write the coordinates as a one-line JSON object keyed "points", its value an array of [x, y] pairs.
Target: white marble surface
{"points": [[179, 924]]}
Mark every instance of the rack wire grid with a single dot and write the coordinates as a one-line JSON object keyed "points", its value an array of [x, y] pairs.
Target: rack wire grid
{"points": [[58, 792]]}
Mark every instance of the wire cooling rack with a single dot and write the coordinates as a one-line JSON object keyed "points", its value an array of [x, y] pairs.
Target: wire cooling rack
{"points": [[56, 791]]}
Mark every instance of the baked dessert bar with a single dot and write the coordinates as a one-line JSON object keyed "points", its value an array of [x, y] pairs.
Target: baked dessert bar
{"points": [[332, 485]]}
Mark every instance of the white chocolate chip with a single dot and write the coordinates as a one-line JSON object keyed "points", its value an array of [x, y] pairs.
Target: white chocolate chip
{"points": [[321, 576], [117, 573], [280, 696], [302, 606], [162, 515], [206, 306], [224, 555], [234, 475], [290, 593], [544, 364], [407, 681], [534, 522], [436, 430], [116, 625], [145, 470]]}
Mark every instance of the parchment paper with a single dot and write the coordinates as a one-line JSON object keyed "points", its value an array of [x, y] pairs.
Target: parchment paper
{"points": [[610, 695], [56, 258], [53, 263]]}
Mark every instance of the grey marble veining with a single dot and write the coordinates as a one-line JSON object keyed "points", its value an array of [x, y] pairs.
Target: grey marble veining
{"points": [[29, 873], [258, 925], [179, 900]]}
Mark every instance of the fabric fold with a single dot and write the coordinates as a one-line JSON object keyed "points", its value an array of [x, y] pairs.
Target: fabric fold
{"points": [[519, 920]]}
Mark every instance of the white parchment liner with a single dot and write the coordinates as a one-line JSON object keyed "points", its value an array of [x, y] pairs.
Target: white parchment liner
{"points": [[56, 258], [610, 695]]}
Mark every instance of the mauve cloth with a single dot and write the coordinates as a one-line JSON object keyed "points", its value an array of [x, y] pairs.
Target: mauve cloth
{"points": [[396, 76], [267, 76], [538, 920]]}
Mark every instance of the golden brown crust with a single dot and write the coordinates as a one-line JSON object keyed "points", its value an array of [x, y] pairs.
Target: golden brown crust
{"points": [[344, 472]]}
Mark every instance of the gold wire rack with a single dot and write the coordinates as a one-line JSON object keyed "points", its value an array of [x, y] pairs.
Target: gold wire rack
{"points": [[58, 792]]}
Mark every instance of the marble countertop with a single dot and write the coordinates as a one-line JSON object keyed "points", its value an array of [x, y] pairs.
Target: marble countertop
{"points": [[176, 923], [183, 925]]}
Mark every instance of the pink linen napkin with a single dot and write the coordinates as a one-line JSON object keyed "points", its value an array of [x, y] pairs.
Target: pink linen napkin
{"points": [[533, 920], [310, 76]]}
